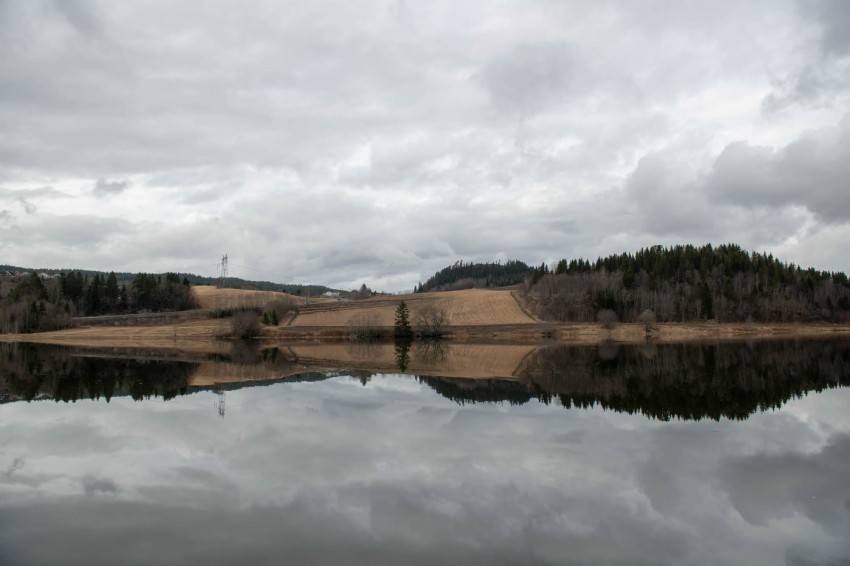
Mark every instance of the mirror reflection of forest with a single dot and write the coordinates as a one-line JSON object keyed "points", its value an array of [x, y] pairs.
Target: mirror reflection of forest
{"points": [[679, 381], [686, 381]]}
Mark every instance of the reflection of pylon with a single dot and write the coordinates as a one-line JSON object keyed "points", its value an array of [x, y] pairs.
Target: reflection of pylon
{"points": [[220, 402], [223, 271]]}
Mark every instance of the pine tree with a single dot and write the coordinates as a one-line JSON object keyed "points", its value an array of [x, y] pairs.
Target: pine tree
{"points": [[112, 291], [402, 328]]}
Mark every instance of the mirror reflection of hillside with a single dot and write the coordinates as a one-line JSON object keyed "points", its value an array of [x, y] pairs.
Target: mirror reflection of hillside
{"points": [[685, 381], [693, 381], [29, 372]]}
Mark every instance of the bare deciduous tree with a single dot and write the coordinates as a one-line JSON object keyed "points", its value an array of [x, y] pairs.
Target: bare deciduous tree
{"points": [[431, 320], [607, 318], [363, 326], [245, 325], [647, 318]]}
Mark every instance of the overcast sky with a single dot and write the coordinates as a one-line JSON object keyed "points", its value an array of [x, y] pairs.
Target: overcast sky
{"points": [[338, 143]]}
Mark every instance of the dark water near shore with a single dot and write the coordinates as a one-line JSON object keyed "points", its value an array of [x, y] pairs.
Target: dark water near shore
{"points": [[697, 454]]}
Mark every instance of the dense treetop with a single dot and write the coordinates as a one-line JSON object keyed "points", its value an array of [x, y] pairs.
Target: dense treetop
{"points": [[468, 275]]}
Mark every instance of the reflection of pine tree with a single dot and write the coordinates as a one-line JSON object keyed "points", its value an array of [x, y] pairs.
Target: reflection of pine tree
{"points": [[402, 353]]}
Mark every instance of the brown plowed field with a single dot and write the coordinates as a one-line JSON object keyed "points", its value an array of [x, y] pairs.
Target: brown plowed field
{"points": [[472, 307]]}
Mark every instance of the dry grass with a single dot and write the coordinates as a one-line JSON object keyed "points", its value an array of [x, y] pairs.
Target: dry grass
{"points": [[211, 297], [190, 336], [471, 307], [676, 332]]}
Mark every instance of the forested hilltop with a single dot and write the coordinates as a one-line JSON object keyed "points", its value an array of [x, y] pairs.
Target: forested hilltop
{"points": [[470, 275], [684, 283], [665, 284]]}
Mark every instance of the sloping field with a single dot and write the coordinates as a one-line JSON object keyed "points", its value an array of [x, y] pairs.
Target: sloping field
{"points": [[211, 297], [471, 307]]}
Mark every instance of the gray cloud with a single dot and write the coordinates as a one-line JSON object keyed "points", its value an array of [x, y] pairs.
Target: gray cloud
{"points": [[811, 172], [28, 207], [834, 18], [530, 77], [80, 16], [93, 485], [104, 187], [768, 487], [669, 201], [813, 86], [16, 465], [341, 143]]}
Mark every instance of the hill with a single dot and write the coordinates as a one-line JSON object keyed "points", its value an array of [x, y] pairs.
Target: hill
{"points": [[686, 283], [476, 275], [232, 282]]}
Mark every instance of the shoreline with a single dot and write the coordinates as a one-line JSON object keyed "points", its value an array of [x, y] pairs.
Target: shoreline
{"points": [[210, 335]]}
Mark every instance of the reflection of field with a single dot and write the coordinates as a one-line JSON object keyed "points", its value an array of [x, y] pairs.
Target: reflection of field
{"points": [[211, 373], [427, 358], [473, 307]]}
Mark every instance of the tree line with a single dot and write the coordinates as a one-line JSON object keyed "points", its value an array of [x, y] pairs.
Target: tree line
{"points": [[33, 304], [684, 283], [470, 275]]}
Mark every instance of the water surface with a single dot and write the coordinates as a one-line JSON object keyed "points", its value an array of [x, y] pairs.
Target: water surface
{"points": [[655, 455]]}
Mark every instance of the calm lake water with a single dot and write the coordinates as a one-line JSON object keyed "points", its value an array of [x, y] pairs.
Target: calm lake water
{"points": [[709, 454]]}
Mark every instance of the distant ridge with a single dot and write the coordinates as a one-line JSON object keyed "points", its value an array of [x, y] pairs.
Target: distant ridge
{"points": [[232, 282]]}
